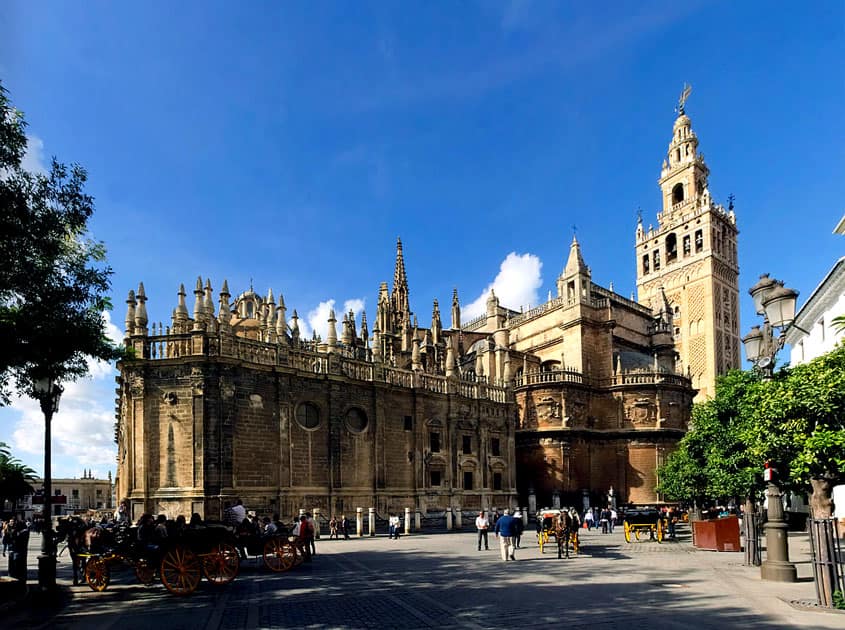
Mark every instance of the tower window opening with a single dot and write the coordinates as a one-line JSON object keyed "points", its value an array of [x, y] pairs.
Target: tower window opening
{"points": [[699, 241], [656, 259], [677, 193], [645, 264], [686, 245], [671, 248]]}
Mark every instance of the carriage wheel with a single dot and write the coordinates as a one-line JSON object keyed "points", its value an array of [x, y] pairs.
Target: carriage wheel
{"points": [[279, 555], [145, 572], [180, 571], [659, 531], [627, 529], [221, 564], [97, 574]]}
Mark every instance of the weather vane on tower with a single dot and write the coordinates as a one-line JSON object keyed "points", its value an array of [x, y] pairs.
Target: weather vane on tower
{"points": [[683, 99]]}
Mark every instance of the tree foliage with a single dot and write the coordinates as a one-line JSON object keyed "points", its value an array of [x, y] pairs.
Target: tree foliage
{"points": [[15, 477], [796, 422], [53, 276]]}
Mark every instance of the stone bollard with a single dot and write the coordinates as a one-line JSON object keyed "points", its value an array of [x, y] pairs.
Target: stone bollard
{"points": [[525, 517], [459, 521], [359, 521], [417, 520], [372, 521], [407, 521], [316, 523], [449, 519]]}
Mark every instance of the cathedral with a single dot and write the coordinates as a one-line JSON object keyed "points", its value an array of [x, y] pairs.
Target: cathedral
{"points": [[568, 403]]}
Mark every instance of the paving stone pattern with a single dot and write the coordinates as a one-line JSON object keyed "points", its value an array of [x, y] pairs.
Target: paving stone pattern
{"points": [[440, 580]]}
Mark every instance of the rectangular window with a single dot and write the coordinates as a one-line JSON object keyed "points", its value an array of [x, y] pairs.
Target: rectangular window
{"points": [[466, 446], [497, 481], [434, 443], [99, 493], [468, 480], [74, 493], [435, 477], [495, 447], [409, 423]]}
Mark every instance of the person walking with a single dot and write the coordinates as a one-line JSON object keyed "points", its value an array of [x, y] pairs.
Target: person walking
{"points": [[393, 529], [588, 518], [312, 526], [505, 530], [344, 526], [520, 527], [333, 528], [482, 525], [604, 520]]}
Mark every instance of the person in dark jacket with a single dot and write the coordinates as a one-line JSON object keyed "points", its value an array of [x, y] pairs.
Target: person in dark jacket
{"points": [[505, 531], [520, 527]]}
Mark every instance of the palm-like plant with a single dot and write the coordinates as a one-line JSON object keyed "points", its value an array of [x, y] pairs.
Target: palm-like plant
{"points": [[839, 323], [15, 477]]}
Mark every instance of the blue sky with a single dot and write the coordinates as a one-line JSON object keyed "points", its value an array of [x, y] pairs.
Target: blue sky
{"points": [[291, 143]]}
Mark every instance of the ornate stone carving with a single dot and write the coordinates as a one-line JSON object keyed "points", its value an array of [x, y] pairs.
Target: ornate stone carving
{"points": [[170, 398], [548, 408], [255, 401]]}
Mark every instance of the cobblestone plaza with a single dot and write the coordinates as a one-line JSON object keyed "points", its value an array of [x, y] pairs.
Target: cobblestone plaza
{"points": [[440, 580]]}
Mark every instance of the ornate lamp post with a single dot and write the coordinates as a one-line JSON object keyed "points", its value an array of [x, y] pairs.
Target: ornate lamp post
{"points": [[776, 304], [47, 392]]}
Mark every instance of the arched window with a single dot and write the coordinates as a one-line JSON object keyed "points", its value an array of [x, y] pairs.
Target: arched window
{"points": [[671, 247], [699, 241], [686, 245], [677, 193]]}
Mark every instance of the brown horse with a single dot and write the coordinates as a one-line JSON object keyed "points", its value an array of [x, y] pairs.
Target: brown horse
{"points": [[72, 530], [564, 526]]}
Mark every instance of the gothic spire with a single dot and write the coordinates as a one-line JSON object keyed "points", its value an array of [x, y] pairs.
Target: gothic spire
{"points": [[400, 281], [575, 264]]}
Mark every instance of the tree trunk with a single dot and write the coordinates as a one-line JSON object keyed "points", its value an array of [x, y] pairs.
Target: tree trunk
{"points": [[751, 527], [824, 568]]}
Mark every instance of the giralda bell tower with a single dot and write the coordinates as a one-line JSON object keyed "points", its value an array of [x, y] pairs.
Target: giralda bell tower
{"points": [[692, 258]]}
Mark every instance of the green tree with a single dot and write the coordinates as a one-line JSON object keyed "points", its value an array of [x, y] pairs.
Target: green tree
{"points": [[15, 477], [712, 459], [53, 278], [801, 427]]}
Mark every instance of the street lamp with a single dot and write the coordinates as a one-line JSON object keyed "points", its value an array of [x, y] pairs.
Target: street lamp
{"points": [[776, 304], [47, 392]]}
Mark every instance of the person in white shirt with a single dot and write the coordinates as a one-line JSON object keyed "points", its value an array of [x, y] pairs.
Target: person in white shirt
{"points": [[482, 525]]}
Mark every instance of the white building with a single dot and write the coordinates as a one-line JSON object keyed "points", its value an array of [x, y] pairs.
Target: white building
{"points": [[812, 334]]}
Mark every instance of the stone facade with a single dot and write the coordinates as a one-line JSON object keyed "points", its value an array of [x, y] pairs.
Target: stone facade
{"points": [[691, 259], [587, 392]]}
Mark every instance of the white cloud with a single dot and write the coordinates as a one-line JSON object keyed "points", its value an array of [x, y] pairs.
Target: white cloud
{"points": [[33, 160], [83, 428], [515, 285], [318, 318]]}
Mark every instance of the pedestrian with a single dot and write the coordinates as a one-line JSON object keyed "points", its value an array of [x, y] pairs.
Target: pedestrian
{"points": [[312, 526], [505, 530], [333, 528], [482, 525], [588, 518], [392, 526], [519, 528], [305, 538], [344, 526], [604, 520], [671, 519], [7, 536], [613, 517]]}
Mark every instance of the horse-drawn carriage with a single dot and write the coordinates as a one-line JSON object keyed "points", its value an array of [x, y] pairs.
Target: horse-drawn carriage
{"points": [[179, 560], [558, 524], [644, 520]]}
